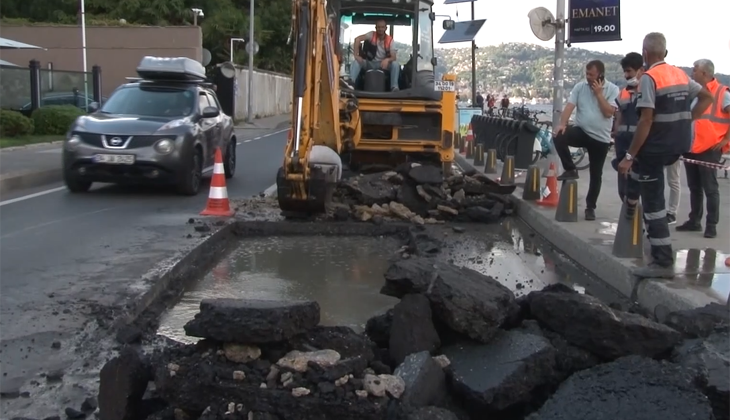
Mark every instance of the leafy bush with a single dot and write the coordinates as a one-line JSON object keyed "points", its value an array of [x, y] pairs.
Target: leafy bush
{"points": [[14, 124], [55, 119]]}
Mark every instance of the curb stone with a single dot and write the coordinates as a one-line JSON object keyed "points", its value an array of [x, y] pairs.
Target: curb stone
{"points": [[17, 181], [650, 294], [31, 146]]}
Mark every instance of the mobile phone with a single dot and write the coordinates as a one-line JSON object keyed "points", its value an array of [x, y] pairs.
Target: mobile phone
{"points": [[601, 78]]}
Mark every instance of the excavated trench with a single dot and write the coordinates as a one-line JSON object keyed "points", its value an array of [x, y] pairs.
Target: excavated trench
{"points": [[466, 313], [344, 274]]}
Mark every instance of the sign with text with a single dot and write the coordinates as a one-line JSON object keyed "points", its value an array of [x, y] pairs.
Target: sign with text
{"points": [[594, 21]]}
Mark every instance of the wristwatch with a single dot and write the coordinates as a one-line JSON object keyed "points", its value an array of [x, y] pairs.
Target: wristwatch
{"points": [[628, 156]]}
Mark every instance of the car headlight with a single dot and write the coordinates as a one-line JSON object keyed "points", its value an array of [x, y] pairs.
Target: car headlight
{"points": [[73, 142], [164, 146]]}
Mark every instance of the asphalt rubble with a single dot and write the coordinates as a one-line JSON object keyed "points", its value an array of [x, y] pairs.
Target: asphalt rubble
{"points": [[458, 345], [410, 192]]}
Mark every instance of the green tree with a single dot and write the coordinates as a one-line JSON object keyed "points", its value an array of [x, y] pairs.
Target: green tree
{"points": [[224, 19]]}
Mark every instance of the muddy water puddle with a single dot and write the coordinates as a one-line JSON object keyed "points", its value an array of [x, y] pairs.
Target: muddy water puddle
{"points": [[344, 274]]}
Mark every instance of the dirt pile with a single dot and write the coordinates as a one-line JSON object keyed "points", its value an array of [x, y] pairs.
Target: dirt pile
{"points": [[458, 345], [420, 194]]}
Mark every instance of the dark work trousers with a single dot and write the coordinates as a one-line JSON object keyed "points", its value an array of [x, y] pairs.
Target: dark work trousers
{"points": [[702, 182], [621, 146], [597, 151], [646, 181]]}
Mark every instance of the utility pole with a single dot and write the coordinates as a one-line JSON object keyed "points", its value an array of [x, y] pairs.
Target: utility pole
{"points": [[559, 62], [83, 53], [558, 77], [473, 64], [251, 52]]}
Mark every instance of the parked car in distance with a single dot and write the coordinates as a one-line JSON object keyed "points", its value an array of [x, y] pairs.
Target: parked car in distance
{"points": [[162, 128], [63, 98]]}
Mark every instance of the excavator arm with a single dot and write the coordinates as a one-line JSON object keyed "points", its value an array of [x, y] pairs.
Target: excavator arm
{"points": [[312, 165]]}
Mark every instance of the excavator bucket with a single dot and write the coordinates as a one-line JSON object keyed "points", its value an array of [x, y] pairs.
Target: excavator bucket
{"points": [[317, 193]]}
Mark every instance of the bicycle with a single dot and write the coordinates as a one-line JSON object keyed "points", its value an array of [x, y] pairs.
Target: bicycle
{"points": [[544, 141]]}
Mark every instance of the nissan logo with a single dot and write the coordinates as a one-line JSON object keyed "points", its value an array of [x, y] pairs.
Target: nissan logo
{"points": [[116, 141]]}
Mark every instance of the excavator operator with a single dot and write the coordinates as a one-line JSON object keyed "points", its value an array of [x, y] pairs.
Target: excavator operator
{"points": [[379, 54]]}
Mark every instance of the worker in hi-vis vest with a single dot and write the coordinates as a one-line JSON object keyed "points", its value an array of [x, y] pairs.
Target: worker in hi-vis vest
{"points": [[380, 55], [711, 138], [663, 134]]}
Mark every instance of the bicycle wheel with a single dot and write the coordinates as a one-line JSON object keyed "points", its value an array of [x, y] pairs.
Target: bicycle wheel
{"points": [[578, 157]]}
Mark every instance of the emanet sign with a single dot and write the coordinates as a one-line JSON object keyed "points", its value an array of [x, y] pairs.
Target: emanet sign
{"points": [[594, 21]]}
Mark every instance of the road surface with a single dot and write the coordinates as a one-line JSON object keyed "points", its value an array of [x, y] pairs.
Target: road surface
{"points": [[65, 258]]}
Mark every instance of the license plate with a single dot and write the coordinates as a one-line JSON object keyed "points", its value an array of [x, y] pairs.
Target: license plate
{"points": [[444, 86], [115, 159]]}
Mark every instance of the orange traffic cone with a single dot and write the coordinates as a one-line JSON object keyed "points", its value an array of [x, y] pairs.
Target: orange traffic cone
{"points": [[218, 203], [468, 142], [552, 185]]}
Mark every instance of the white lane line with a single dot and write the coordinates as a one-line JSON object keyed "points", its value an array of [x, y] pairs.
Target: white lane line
{"points": [[263, 136], [54, 190], [29, 196], [53, 222]]}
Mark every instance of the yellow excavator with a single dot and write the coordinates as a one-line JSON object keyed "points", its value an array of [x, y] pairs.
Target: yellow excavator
{"points": [[365, 117]]}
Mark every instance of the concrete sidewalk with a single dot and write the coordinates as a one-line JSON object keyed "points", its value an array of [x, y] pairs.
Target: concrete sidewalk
{"points": [[37, 165], [590, 244]]}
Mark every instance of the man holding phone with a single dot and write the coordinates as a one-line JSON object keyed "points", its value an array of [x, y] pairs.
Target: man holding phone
{"points": [[594, 101]]}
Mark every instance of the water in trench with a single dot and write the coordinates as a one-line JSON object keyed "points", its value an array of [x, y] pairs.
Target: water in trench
{"points": [[344, 274]]}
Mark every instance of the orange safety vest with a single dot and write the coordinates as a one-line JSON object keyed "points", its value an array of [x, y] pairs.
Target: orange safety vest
{"points": [[671, 129], [711, 127], [387, 41]]}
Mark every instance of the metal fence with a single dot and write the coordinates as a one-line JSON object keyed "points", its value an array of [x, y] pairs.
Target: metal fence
{"points": [[14, 87], [26, 89]]}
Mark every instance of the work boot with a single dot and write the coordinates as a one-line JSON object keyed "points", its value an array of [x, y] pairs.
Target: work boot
{"points": [[653, 271], [671, 218], [689, 226], [711, 231], [590, 214], [573, 174]]}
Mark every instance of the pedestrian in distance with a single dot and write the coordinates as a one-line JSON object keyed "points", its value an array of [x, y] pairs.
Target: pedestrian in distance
{"points": [[594, 101], [663, 134], [711, 138]]}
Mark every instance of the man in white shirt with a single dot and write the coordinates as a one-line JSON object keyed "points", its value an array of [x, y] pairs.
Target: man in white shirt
{"points": [[595, 103]]}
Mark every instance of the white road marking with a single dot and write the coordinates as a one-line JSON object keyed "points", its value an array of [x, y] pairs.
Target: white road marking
{"points": [[271, 190], [53, 222], [29, 196]]}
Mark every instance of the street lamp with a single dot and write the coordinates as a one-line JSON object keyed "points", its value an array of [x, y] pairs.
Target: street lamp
{"points": [[196, 14], [232, 41]]}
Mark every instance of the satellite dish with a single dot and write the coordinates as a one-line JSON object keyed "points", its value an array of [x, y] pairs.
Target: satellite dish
{"points": [[228, 70], [206, 57], [542, 23]]}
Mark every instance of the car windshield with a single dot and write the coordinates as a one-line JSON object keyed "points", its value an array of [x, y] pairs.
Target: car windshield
{"points": [[151, 102]]}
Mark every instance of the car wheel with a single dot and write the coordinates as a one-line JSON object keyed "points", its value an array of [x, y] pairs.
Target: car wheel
{"points": [[74, 184], [192, 176], [229, 166]]}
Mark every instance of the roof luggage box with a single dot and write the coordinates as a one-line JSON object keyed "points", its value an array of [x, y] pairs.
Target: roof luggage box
{"points": [[178, 68]]}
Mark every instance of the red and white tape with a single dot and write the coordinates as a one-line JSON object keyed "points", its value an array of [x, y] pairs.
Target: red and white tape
{"points": [[705, 164]]}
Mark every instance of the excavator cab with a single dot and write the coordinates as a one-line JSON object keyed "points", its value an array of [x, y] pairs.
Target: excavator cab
{"points": [[359, 112]]}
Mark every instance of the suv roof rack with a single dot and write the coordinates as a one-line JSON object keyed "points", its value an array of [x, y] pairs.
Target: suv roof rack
{"points": [[204, 83], [178, 69]]}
